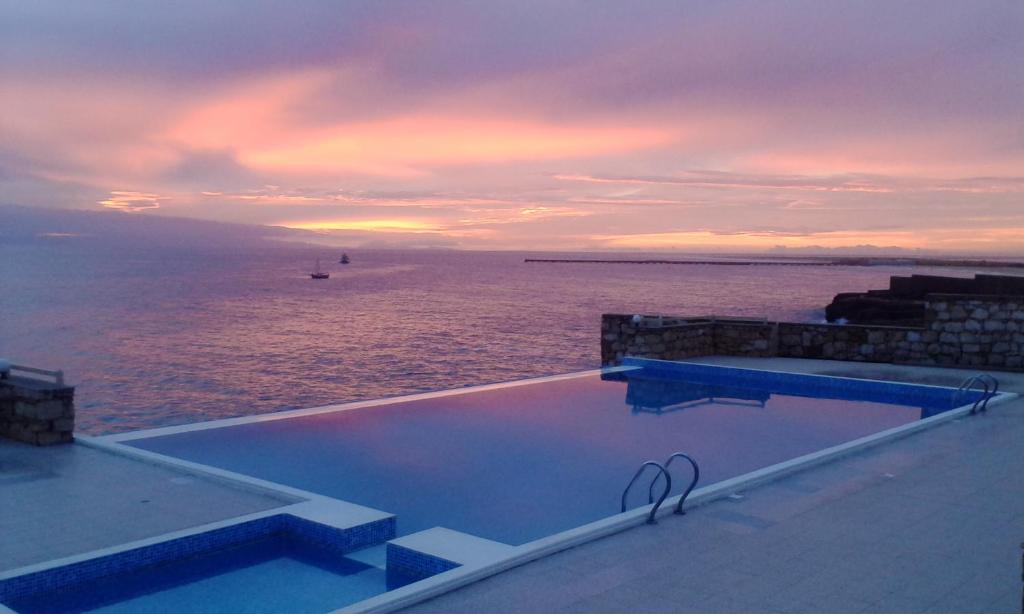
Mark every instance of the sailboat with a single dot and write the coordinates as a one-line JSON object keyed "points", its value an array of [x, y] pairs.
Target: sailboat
{"points": [[344, 259], [317, 273]]}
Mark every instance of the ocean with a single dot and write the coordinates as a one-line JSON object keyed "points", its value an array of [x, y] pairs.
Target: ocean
{"points": [[164, 335]]}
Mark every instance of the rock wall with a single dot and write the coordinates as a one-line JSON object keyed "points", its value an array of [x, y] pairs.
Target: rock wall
{"points": [[677, 338], [746, 338], [654, 337], [968, 330], [850, 342], [36, 412], [904, 302], [959, 330]]}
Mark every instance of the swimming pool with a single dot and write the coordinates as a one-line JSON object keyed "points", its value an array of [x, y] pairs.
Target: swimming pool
{"points": [[274, 563], [517, 463], [417, 495]]}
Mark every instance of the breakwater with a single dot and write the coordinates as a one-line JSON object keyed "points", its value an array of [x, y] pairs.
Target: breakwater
{"points": [[842, 261]]}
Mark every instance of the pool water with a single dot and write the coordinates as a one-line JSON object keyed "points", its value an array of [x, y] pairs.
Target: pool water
{"points": [[518, 463], [273, 574]]}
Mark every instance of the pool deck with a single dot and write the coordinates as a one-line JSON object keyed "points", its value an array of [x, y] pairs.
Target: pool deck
{"points": [[929, 523], [65, 500]]}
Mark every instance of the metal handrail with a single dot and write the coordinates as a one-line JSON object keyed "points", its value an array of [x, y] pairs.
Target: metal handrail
{"points": [[668, 486], [58, 376], [686, 493], [967, 385], [981, 403], [995, 389], [982, 398], [990, 394]]}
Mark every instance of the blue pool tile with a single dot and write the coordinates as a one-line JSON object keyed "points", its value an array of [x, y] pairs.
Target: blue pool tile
{"points": [[338, 540]]}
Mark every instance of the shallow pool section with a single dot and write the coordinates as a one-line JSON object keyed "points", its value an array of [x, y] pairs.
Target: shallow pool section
{"points": [[275, 564], [525, 461]]}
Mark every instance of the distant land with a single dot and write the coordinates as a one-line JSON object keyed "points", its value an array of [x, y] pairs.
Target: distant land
{"points": [[33, 225], [775, 260], [22, 225]]}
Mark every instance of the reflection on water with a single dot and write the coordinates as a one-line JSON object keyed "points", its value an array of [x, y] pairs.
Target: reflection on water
{"points": [[157, 337], [653, 395], [647, 392]]}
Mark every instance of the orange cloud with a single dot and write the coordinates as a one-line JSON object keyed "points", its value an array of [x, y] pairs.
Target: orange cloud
{"points": [[248, 114], [131, 202], [95, 132], [392, 225], [261, 122], [955, 151], [408, 142], [988, 239]]}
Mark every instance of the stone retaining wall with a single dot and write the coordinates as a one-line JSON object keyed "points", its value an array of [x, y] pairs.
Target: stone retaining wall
{"points": [[36, 412], [973, 330], [959, 330], [653, 337], [745, 338], [839, 342]]}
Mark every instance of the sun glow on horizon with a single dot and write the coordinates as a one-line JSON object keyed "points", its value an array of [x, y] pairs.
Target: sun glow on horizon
{"points": [[394, 225], [984, 239]]}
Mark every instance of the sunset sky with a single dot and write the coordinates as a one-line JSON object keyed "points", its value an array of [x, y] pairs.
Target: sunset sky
{"points": [[529, 124]]}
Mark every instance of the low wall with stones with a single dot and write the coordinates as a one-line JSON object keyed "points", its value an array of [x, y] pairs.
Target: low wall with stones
{"points": [[746, 338], [654, 337], [678, 338], [972, 330], [35, 411], [959, 330], [849, 342]]}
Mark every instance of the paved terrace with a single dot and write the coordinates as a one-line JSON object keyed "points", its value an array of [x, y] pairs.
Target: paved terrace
{"points": [[70, 499], [929, 523]]}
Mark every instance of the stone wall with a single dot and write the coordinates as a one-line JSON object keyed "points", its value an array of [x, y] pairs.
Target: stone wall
{"points": [[654, 337], [903, 303], [677, 338], [746, 338], [959, 330], [36, 412], [849, 342], [976, 331]]}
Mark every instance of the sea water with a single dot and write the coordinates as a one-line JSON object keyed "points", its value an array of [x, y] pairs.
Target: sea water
{"points": [[161, 336]]}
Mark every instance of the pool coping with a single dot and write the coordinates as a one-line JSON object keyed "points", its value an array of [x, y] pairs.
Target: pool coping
{"points": [[525, 553], [336, 407]]}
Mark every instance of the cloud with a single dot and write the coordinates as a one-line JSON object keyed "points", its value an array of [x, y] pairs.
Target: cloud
{"points": [[994, 239], [374, 225], [131, 202], [257, 122], [529, 124], [195, 169], [805, 183]]}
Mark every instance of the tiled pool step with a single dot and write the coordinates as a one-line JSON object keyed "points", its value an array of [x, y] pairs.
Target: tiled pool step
{"points": [[437, 550], [375, 556]]}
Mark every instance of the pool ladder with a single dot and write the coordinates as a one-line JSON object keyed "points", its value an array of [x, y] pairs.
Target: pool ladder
{"points": [[662, 470], [984, 379]]}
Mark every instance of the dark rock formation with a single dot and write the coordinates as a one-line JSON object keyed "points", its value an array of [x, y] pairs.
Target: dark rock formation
{"points": [[858, 308], [903, 303]]}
